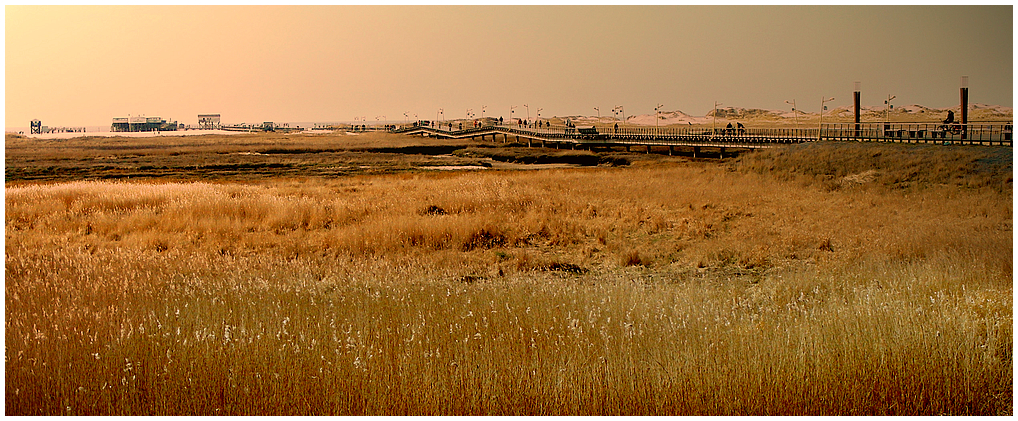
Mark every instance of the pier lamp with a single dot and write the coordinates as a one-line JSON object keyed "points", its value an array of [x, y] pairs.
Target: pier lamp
{"points": [[512, 111], [598, 114], [823, 101], [795, 113], [539, 113], [528, 112], [620, 109], [887, 107], [657, 117], [715, 124], [483, 107], [407, 115]]}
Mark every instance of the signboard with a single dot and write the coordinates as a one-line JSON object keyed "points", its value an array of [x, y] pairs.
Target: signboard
{"points": [[208, 121]]}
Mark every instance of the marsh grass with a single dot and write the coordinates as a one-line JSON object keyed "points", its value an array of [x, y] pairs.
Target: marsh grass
{"points": [[835, 165], [239, 157], [661, 289]]}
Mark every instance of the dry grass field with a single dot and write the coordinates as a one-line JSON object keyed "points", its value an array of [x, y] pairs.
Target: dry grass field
{"points": [[832, 279]]}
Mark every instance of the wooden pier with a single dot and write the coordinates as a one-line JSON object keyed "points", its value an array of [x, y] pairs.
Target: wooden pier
{"points": [[998, 134]]}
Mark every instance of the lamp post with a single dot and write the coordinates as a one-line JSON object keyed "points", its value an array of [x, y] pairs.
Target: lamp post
{"points": [[598, 114], [820, 127], [657, 116], [512, 111], [483, 107], [539, 114], [407, 115], [621, 109], [887, 107], [714, 129], [795, 113], [440, 111], [528, 112]]}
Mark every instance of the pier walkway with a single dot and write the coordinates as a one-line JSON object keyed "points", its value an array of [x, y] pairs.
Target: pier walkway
{"points": [[753, 138]]}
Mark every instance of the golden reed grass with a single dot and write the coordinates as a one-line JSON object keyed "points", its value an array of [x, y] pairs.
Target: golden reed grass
{"points": [[652, 290]]}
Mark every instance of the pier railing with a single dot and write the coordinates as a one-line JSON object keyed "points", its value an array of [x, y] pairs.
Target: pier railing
{"points": [[991, 133], [985, 133]]}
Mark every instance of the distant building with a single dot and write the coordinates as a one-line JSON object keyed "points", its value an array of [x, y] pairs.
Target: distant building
{"points": [[209, 121], [142, 124], [36, 127]]}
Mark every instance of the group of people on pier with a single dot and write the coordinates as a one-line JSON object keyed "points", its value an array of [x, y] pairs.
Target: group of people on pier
{"points": [[740, 129], [531, 125]]}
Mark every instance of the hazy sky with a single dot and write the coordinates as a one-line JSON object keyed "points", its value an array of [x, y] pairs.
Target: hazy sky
{"points": [[84, 65]]}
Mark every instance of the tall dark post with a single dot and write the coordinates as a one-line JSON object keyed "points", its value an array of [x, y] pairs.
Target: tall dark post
{"points": [[964, 106], [857, 96]]}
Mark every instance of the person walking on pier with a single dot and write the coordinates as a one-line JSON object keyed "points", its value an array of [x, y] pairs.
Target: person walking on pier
{"points": [[742, 129]]}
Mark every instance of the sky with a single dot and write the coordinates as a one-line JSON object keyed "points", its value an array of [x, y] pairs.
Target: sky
{"points": [[84, 65]]}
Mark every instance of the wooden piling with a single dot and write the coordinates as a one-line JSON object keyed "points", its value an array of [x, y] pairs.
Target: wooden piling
{"points": [[964, 109], [857, 107]]}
